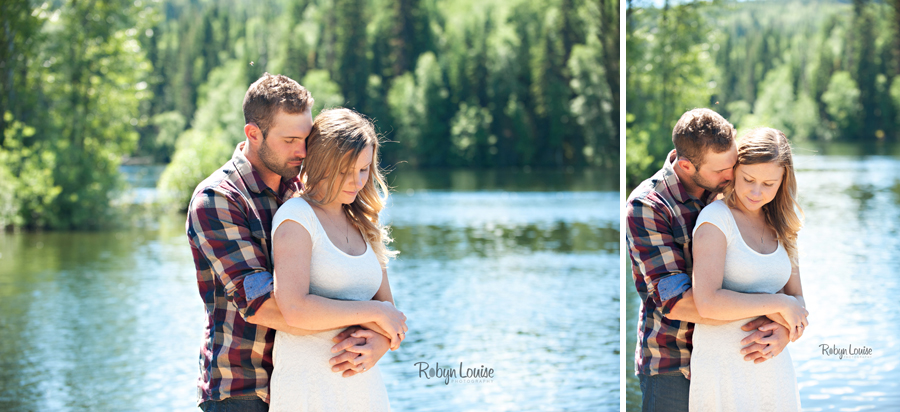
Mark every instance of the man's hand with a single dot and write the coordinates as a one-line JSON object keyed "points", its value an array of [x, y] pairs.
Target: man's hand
{"points": [[766, 342], [362, 350]]}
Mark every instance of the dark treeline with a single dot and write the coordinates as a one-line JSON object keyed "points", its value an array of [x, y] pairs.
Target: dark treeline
{"points": [[451, 83], [817, 70]]}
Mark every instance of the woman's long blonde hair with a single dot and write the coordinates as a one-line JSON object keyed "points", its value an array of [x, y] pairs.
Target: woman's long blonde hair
{"points": [[337, 138], [783, 214]]}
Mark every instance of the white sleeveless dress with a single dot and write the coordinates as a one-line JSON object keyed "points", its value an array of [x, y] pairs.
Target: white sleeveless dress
{"points": [[302, 379], [721, 380]]}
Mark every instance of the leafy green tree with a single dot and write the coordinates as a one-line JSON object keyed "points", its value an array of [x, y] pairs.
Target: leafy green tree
{"points": [[411, 34], [551, 95], [865, 69], [484, 58], [167, 127], [592, 106], [470, 134], [94, 84], [74, 78], [775, 102], [325, 92], [406, 112], [432, 92], [606, 13], [353, 67], [27, 186], [298, 45], [842, 104], [456, 83], [216, 129], [894, 93], [670, 70], [19, 28]]}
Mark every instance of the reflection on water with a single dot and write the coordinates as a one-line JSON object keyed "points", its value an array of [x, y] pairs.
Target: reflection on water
{"points": [[526, 180], [848, 250], [514, 281], [96, 321]]}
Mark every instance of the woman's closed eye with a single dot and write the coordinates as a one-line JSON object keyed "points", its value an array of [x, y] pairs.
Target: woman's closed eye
{"points": [[766, 184]]}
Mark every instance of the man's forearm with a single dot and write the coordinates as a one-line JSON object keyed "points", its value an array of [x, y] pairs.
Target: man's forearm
{"points": [[685, 310]]}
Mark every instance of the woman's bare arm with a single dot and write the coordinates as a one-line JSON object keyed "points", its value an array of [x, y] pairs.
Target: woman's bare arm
{"points": [[270, 316], [793, 286], [383, 295], [292, 254], [712, 300], [384, 291]]}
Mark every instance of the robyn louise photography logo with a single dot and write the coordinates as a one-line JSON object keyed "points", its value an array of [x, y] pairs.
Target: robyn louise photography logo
{"points": [[849, 352], [450, 375]]}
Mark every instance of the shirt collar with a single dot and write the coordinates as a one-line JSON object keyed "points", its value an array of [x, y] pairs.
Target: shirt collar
{"points": [[673, 183], [254, 182]]}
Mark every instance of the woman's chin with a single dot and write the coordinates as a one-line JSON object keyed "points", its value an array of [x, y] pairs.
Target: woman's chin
{"points": [[752, 206]]}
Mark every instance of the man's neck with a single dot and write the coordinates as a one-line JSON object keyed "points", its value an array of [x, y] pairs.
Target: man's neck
{"points": [[272, 180], [685, 180]]}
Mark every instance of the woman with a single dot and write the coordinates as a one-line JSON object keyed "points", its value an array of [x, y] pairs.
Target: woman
{"points": [[745, 252], [330, 270]]}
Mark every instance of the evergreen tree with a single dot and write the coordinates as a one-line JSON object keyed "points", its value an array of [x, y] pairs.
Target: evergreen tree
{"points": [[351, 47]]}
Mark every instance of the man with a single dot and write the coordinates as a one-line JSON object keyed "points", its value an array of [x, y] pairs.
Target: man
{"points": [[229, 228], [660, 217]]}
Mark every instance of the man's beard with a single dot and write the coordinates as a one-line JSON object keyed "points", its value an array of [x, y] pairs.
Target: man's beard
{"points": [[705, 185], [271, 162]]}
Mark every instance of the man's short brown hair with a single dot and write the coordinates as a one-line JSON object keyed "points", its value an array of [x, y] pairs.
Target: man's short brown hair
{"points": [[272, 93], [700, 130]]}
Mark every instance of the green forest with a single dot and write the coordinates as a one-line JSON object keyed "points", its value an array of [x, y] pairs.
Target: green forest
{"points": [[85, 86], [817, 70]]}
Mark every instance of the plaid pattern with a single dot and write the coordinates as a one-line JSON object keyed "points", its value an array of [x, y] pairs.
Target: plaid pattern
{"points": [[660, 216], [229, 226]]}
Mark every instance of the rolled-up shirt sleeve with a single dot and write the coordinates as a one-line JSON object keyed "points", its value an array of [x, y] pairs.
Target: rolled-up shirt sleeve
{"points": [[221, 232], [656, 254]]}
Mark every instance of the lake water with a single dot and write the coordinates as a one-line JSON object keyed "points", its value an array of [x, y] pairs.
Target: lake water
{"points": [[848, 252], [517, 272]]}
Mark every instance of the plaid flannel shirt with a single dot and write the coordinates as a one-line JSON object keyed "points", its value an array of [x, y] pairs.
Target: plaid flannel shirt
{"points": [[229, 226], [660, 215]]}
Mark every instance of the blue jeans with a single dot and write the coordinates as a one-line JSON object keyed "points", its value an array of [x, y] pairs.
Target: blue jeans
{"points": [[235, 405], [665, 392]]}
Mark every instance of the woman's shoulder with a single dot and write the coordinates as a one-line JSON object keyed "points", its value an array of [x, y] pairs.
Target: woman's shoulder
{"points": [[716, 208], [298, 210], [718, 214], [298, 202], [295, 205]]}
